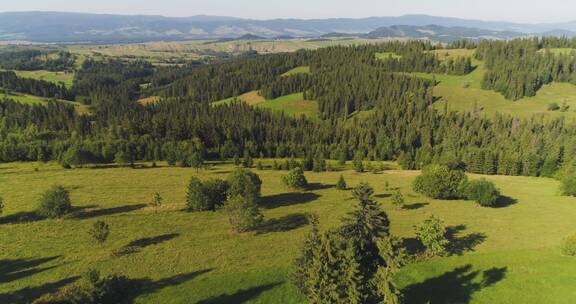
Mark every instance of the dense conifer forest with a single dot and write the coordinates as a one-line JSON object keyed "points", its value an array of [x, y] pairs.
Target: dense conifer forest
{"points": [[402, 125]]}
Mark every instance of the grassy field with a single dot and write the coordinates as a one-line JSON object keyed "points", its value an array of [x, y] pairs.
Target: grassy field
{"points": [[54, 77], [387, 55], [298, 70], [293, 104], [464, 94], [502, 255], [31, 99]]}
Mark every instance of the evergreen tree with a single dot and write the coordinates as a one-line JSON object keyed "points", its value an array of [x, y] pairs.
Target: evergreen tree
{"points": [[243, 213], [341, 184], [432, 234], [99, 232]]}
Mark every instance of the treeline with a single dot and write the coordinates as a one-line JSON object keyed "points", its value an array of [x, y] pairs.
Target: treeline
{"points": [[225, 79], [33, 60], [11, 82], [519, 68], [401, 126]]}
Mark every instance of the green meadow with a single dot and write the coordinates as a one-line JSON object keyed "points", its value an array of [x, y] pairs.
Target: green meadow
{"points": [[508, 254], [293, 104]]}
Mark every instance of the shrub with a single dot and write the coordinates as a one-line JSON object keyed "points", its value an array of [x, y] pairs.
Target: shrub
{"points": [[1, 205], [398, 199], [99, 232], [483, 192], [156, 201], [206, 196], [569, 245], [358, 163], [440, 182], [216, 191], [432, 234], [92, 289], [295, 179], [569, 185], [553, 107], [341, 184], [243, 213], [196, 198], [245, 183], [55, 203]]}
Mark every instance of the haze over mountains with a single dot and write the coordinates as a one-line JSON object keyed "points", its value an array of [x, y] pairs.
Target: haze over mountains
{"points": [[55, 27]]}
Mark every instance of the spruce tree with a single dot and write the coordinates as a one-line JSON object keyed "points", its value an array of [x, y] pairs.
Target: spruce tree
{"points": [[341, 184]]}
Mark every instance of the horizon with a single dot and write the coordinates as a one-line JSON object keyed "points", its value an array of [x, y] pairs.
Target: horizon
{"points": [[514, 11]]}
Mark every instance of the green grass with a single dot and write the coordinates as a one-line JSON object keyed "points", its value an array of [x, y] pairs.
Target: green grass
{"points": [[558, 51], [54, 77], [387, 55], [298, 70], [519, 255], [31, 99], [464, 94], [293, 104]]}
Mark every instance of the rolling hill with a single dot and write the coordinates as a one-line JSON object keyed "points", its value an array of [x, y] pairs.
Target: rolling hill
{"points": [[102, 28]]}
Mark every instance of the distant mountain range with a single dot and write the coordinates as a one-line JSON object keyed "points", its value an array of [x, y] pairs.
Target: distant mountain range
{"points": [[54, 27]]}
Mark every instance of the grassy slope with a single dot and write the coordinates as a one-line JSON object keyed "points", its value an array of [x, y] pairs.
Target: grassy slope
{"points": [[520, 251], [387, 55], [298, 70], [54, 77], [293, 104], [464, 94]]}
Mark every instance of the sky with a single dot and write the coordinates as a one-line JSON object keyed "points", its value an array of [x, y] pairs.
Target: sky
{"points": [[529, 11]]}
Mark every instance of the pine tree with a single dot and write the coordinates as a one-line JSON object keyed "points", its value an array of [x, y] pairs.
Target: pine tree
{"points": [[341, 184]]}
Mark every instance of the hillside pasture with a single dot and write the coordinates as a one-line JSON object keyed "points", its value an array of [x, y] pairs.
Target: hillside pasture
{"points": [[508, 254], [297, 70]]}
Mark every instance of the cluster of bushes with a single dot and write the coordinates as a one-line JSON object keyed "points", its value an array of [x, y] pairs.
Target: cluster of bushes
{"points": [[238, 195], [443, 182]]}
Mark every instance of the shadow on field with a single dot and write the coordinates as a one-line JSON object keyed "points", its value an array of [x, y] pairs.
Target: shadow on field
{"points": [[384, 195], [285, 223], [149, 241], [461, 244], [318, 186], [29, 294], [415, 206], [135, 246], [82, 215], [288, 199], [147, 286], [505, 201], [456, 286], [21, 217], [12, 270], [240, 296]]}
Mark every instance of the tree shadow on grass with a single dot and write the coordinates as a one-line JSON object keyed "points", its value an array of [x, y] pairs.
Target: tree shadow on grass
{"points": [[505, 201], [29, 294], [21, 217], [288, 199], [139, 244], [461, 244], [285, 223], [12, 270], [456, 286], [384, 195], [415, 206], [318, 186], [240, 296], [147, 286], [149, 241], [82, 215]]}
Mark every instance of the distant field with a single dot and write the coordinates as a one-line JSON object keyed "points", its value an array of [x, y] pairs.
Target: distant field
{"points": [[464, 94], [298, 70], [195, 257], [149, 100], [161, 52], [293, 104], [387, 55], [31, 99], [454, 53], [558, 51], [54, 77]]}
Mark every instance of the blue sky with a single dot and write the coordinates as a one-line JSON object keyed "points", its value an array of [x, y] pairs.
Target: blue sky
{"points": [[507, 10]]}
